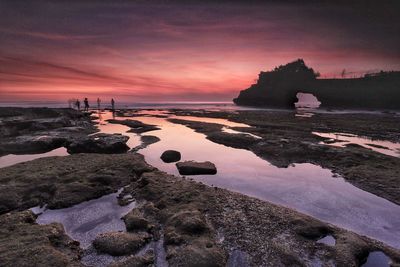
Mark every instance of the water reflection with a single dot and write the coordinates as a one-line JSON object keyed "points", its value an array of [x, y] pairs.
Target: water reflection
{"points": [[343, 139], [305, 187], [84, 221], [12, 159]]}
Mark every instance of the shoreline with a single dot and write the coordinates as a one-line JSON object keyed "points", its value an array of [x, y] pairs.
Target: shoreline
{"points": [[266, 234]]}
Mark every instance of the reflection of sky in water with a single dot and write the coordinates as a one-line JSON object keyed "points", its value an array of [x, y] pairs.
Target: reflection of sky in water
{"points": [[84, 221], [305, 187], [342, 139], [12, 159]]}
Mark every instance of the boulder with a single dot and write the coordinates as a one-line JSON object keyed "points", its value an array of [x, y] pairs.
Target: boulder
{"points": [[99, 143], [189, 222], [171, 156], [120, 243], [135, 221], [195, 168]]}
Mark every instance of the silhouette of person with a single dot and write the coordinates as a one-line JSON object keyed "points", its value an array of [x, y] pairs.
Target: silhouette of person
{"points": [[112, 104], [98, 103], [86, 101], [78, 104]]}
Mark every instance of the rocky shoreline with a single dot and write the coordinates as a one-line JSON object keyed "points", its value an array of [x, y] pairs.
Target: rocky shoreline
{"points": [[287, 139], [198, 225]]}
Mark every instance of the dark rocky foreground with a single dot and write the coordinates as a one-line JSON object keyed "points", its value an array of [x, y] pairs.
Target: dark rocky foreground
{"points": [[36, 130], [287, 139], [197, 225], [200, 225]]}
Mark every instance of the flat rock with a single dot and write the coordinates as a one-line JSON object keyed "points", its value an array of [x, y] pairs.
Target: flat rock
{"points": [[25, 243], [120, 243], [99, 143], [195, 168], [171, 156]]}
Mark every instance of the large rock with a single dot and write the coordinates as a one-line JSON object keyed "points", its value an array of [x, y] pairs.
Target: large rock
{"points": [[99, 143], [25, 243], [136, 126], [32, 144], [120, 243], [135, 221], [195, 168], [171, 156]]}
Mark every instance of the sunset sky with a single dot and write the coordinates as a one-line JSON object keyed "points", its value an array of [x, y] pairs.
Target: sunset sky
{"points": [[183, 50]]}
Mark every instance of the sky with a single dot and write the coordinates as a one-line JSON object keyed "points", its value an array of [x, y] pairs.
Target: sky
{"points": [[156, 51]]}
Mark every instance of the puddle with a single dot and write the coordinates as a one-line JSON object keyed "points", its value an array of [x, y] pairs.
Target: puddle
{"points": [[12, 159], [305, 187], [343, 139], [84, 221], [327, 240], [377, 259], [228, 130], [210, 120]]}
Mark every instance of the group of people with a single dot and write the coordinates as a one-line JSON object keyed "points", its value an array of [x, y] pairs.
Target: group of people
{"points": [[86, 104]]}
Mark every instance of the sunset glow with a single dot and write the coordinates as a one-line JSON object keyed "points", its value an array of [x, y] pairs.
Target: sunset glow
{"points": [[180, 52]]}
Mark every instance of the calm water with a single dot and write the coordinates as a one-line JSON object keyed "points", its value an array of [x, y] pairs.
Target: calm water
{"points": [[12, 159], [343, 139]]}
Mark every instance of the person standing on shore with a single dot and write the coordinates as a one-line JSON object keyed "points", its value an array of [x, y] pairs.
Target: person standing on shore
{"points": [[78, 104], [98, 103], [86, 101], [112, 104]]}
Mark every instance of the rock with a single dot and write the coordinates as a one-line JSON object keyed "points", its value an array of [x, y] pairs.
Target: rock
{"points": [[172, 238], [189, 222], [33, 143], [64, 181], [136, 126], [195, 168], [99, 143], [120, 243], [134, 221], [199, 255], [146, 141], [171, 156], [136, 261], [279, 88], [25, 243]]}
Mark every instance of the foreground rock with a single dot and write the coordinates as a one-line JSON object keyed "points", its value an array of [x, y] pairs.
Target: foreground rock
{"points": [[201, 225], [24, 243], [120, 243], [136, 261], [169, 156], [196, 168], [38, 130], [99, 143], [192, 215], [63, 182]]}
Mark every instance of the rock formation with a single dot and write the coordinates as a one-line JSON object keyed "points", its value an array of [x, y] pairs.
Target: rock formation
{"points": [[279, 87]]}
